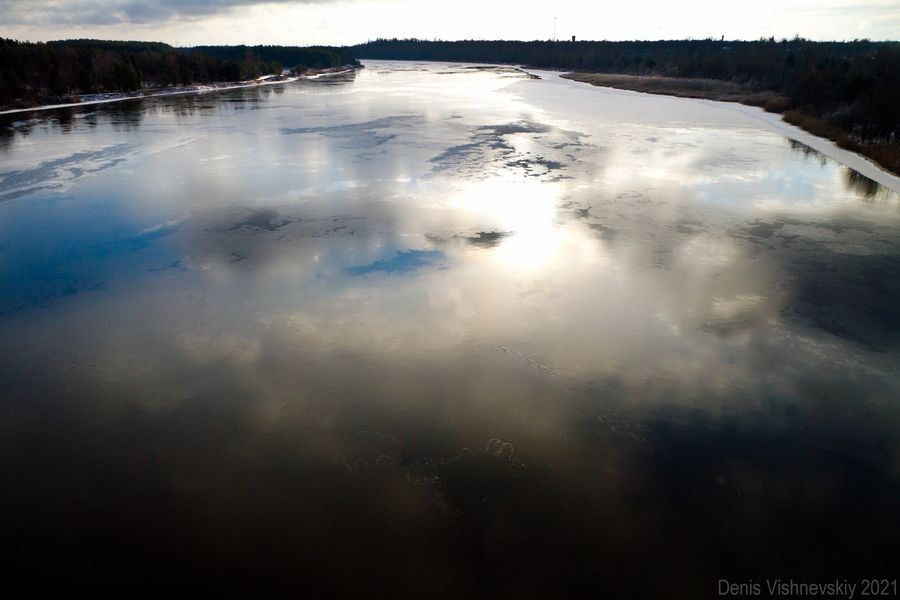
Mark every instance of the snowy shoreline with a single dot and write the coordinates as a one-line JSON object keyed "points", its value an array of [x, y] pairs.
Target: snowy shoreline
{"points": [[198, 89]]}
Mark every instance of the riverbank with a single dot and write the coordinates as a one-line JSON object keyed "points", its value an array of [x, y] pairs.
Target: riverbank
{"points": [[886, 155], [89, 99]]}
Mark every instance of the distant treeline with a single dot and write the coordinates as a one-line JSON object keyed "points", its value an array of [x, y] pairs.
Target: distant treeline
{"points": [[314, 57], [852, 85], [31, 73]]}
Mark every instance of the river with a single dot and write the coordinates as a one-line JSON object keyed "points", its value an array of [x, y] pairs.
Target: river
{"points": [[445, 330]]}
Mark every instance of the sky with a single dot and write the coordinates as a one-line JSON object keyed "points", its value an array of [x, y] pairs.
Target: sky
{"points": [[340, 22]]}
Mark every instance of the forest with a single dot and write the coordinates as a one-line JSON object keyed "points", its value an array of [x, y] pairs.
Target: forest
{"points": [[40, 73], [293, 57], [847, 91]]}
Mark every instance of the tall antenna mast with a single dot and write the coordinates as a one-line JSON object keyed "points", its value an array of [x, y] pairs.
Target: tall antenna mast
{"points": [[554, 29]]}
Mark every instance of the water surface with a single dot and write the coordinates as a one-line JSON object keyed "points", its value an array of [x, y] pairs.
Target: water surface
{"points": [[445, 330]]}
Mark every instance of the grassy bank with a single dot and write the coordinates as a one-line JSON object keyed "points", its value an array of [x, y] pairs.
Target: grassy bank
{"points": [[686, 87], [886, 154]]}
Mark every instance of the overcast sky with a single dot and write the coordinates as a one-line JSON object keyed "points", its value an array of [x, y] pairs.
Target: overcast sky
{"points": [[302, 22]]}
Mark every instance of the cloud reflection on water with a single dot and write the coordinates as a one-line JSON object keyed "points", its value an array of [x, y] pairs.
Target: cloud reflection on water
{"points": [[445, 322]]}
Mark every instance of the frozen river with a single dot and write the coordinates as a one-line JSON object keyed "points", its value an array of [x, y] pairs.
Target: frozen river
{"points": [[445, 330]]}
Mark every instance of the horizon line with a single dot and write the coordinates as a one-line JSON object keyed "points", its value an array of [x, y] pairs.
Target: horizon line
{"points": [[770, 39]]}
